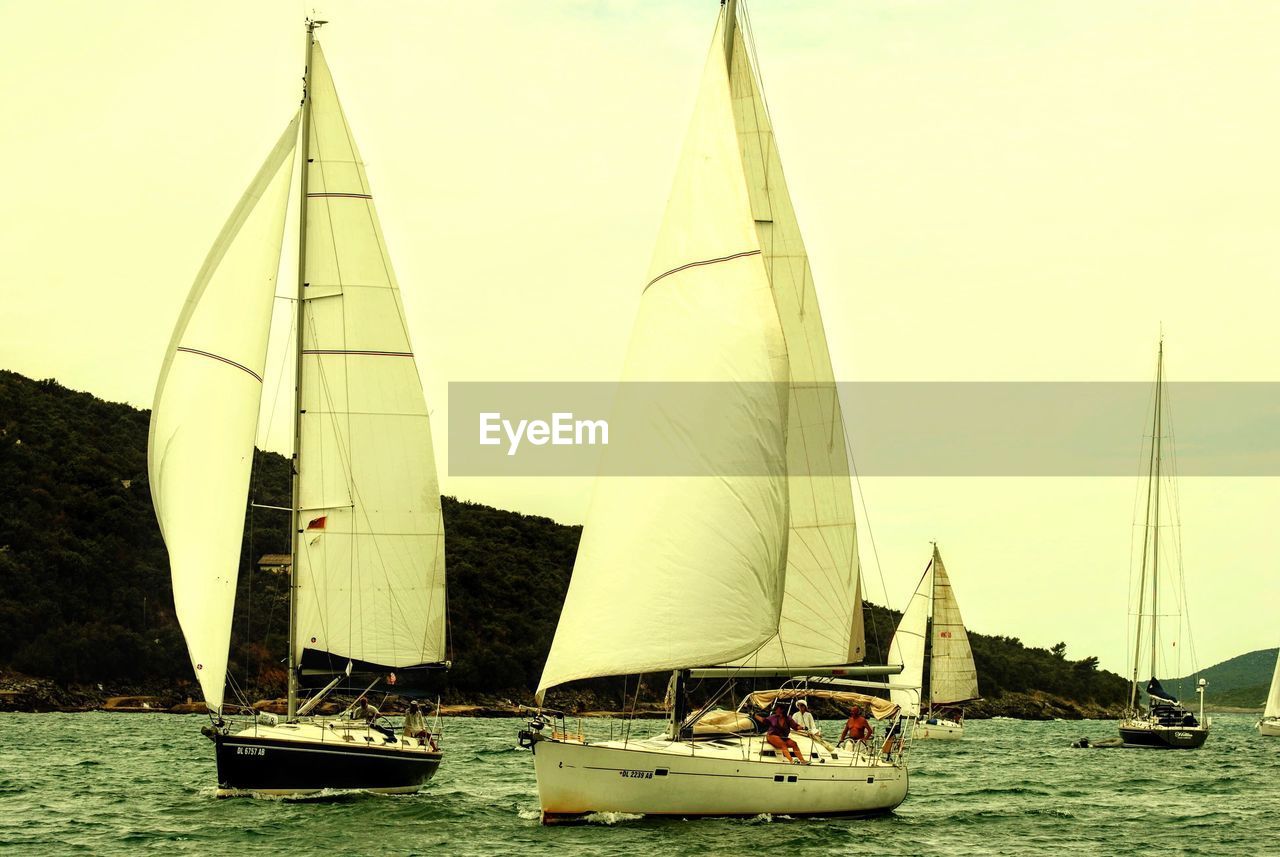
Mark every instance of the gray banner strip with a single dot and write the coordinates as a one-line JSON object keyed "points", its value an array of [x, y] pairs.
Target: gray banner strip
{"points": [[894, 428]]}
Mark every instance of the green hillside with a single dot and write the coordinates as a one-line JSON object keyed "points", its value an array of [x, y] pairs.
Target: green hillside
{"points": [[1242, 681], [85, 596]]}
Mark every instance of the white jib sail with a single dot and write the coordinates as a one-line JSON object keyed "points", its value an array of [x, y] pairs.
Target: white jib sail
{"points": [[370, 565], [908, 644], [205, 415], [952, 674], [674, 572], [822, 611], [1273, 698]]}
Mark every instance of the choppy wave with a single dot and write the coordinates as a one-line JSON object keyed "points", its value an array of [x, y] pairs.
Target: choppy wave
{"points": [[119, 783]]}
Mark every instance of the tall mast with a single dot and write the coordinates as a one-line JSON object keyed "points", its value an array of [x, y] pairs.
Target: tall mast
{"points": [[1155, 536], [294, 654], [1153, 492], [730, 24], [931, 570]]}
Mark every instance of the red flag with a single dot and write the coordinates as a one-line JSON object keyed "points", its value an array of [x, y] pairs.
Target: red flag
{"points": [[317, 523]]}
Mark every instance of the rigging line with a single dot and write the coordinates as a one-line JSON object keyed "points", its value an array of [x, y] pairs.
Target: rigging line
{"points": [[1176, 510], [834, 584], [866, 516], [354, 492]]}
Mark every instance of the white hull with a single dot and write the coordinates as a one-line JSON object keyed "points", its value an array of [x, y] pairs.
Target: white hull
{"points": [[727, 777], [939, 730], [1269, 727]]}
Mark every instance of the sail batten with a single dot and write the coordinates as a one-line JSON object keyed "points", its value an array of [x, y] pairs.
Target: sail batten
{"points": [[683, 571], [953, 677], [199, 467], [370, 575], [821, 621]]}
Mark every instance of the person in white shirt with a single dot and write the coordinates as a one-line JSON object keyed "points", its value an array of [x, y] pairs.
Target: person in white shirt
{"points": [[805, 718]]}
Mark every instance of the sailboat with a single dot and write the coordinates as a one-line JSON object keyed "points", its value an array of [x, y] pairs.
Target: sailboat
{"points": [[953, 678], [728, 572], [1269, 725], [1165, 723], [367, 581]]}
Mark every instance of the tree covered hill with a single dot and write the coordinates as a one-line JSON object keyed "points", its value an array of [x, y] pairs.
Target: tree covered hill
{"points": [[1242, 681], [85, 595]]}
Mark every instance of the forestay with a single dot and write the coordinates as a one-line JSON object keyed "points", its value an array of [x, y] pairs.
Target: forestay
{"points": [[822, 612], [205, 414], [908, 644], [370, 566], [952, 675], [674, 572]]}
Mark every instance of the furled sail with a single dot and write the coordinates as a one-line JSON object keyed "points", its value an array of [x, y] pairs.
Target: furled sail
{"points": [[908, 644], [822, 611], [680, 571], [370, 579], [205, 415], [1273, 698], [952, 674]]}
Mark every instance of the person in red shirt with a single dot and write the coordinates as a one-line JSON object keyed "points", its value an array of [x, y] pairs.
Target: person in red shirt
{"points": [[856, 728]]}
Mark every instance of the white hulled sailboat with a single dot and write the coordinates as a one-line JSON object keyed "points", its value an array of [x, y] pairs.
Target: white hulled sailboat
{"points": [[752, 572], [1269, 725], [953, 678], [1165, 724], [367, 577]]}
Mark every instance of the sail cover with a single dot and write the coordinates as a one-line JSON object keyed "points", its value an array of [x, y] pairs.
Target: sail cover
{"points": [[675, 572], [822, 611], [370, 582], [205, 415], [952, 675], [908, 644], [1156, 690], [1273, 698]]}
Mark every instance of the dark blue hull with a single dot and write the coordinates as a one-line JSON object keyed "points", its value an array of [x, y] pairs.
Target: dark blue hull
{"points": [[248, 764]]}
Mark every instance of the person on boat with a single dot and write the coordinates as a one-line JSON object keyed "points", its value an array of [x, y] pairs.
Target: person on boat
{"points": [[778, 726], [415, 725], [856, 728], [362, 710], [892, 738], [805, 718]]}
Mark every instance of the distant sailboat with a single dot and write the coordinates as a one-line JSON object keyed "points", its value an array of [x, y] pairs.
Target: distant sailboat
{"points": [[367, 576], [1165, 724], [953, 678], [723, 575], [1269, 725]]}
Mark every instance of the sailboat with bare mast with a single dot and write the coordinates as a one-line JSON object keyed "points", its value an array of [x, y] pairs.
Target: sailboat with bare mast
{"points": [[749, 572], [367, 580], [1165, 723]]}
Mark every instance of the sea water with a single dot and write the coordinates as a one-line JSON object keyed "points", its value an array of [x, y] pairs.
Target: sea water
{"points": [[100, 783]]}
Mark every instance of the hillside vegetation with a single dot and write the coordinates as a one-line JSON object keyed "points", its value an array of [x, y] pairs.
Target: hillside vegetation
{"points": [[85, 595], [1242, 681]]}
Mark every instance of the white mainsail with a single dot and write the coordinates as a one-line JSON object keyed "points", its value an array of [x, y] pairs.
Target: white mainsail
{"points": [[952, 674], [908, 644], [674, 572], [822, 612], [205, 415], [1273, 698], [370, 570]]}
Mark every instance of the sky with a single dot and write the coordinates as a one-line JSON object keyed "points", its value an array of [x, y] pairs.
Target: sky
{"points": [[993, 190]]}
